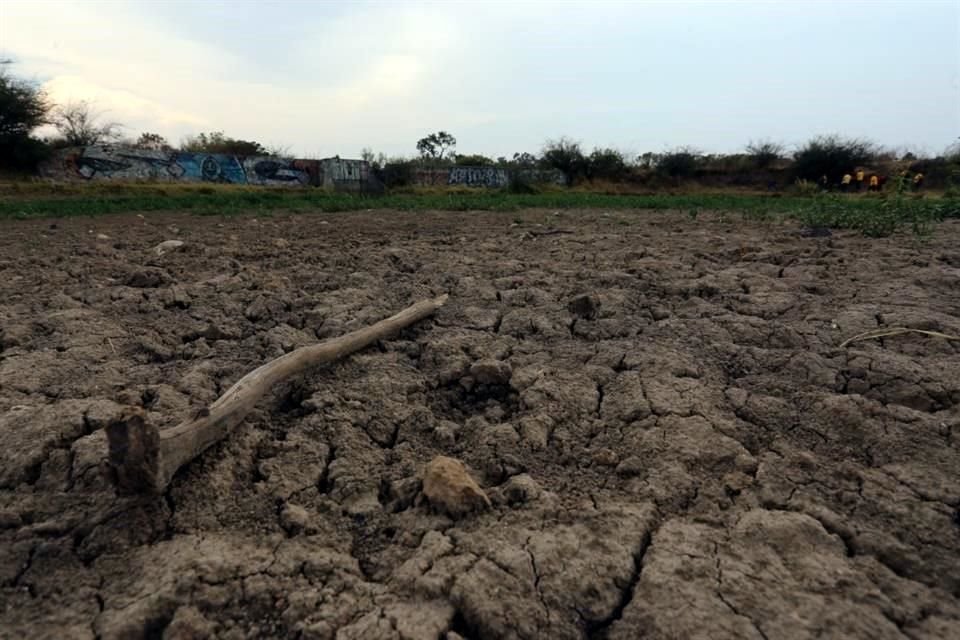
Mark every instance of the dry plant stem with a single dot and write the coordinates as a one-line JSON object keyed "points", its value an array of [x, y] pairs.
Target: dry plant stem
{"points": [[875, 334], [145, 459]]}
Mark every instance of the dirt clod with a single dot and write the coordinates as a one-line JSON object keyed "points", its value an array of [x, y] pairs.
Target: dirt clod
{"points": [[449, 489]]}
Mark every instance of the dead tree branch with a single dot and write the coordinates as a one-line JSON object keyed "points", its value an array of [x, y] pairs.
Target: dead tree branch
{"points": [[145, 458]]}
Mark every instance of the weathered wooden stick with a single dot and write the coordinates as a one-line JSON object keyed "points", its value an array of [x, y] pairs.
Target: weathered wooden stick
{"points": [[145, 458]]}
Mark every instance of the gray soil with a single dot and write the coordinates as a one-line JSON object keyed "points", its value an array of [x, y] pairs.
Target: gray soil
{"points": [[672, 441]]}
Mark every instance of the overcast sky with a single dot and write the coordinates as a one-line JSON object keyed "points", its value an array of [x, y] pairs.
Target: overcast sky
{"points": [[332, 78]]}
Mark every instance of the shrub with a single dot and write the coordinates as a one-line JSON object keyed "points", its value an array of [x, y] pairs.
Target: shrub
{"points": [[217, 142], [398, 173], [606, 164], [681, 162], [832, 156], [521, 184], [474, 160], [564, 154]]}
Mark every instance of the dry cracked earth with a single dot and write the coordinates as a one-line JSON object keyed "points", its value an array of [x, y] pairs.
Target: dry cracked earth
{"points": [[672, 440]]}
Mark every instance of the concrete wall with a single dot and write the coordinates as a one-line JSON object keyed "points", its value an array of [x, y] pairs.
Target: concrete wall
{"points": [[488, 177], [125, 163]]}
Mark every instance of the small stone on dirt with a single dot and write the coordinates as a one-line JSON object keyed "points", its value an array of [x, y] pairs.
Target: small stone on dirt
{"points": [[294, 518], [449, 488], [605, 458], [146, 279], [632, 466], [488, 371], [520, 489], [102, 236], [167, 246]]}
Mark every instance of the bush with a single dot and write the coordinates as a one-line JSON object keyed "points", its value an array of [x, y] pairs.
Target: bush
{"points": [[606, 164], [521, 184], [564, 154], [474, 160], [217, 142], [831, 156], [397, 173], [681, 162]]}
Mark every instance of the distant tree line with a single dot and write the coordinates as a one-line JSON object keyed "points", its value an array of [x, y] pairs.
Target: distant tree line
{"points": [[25, 108]]}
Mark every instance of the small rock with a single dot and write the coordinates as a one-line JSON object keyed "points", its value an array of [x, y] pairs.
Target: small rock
{"points": [[294, 518], [490, 371], [536, 430], [167, 246], [280, 243], [179, 297], [449, 488], [146, 278], [102, 236], [632, 466], [605, 458], [584, 306], [257, 310]]}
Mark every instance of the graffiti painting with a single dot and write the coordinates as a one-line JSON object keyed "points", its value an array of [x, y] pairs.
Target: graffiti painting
{"points": [[211, 168], [275, 171]]}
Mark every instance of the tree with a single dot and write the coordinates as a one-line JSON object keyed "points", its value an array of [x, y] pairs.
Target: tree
{"points": [[648, 159], [377, 161], [23, 108], [436, 145], [564, 154], [217, 142], [765, 152], [525, 160], [831, 156], [152, 142], [78, 125]]}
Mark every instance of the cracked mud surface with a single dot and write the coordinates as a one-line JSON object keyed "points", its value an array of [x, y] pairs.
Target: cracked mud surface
{"points": [[672, 441]]}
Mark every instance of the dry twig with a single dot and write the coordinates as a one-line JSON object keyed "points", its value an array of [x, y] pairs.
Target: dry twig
{"points": [[875, 334]]}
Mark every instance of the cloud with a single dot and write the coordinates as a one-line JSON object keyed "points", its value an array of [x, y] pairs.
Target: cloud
{"points": [[330, 79]]}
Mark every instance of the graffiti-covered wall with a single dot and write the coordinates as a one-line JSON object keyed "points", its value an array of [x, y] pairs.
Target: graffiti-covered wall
{"points": [[125, 163], [488, 177], [347, 175], [116, 162]]}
